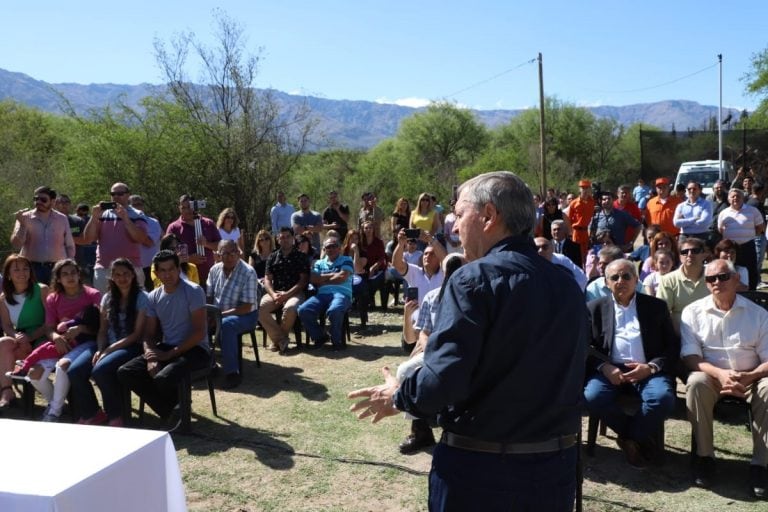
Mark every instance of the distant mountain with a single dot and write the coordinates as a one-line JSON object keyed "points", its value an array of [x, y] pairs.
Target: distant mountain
{"points": [[350, 124]]}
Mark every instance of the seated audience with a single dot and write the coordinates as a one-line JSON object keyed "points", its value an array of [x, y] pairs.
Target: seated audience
{"points": [[263, 247], [22, 318], [634, 334], [285, 283], [725, 345], [661, 240], [123, 309], [175, 338], [232, 287], [686, 284], [71, 321], [663, 262], [171, 242], [546, 251], [332, 277]]}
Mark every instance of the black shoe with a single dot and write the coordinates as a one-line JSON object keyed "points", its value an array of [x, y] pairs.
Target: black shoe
{"points": [[703, 471], [758, 480], [231, 381], [322, 341], [414, 443], [632, 452]]}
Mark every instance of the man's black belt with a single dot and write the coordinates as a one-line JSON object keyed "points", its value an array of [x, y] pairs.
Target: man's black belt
{"points": [[476, 445]]}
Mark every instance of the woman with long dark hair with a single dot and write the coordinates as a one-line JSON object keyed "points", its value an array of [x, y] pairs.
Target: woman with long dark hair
{"points": [[123, 311], [22, 317]]}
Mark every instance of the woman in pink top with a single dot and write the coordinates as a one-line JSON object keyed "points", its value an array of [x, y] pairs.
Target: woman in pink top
{"points": [[72, 303]]}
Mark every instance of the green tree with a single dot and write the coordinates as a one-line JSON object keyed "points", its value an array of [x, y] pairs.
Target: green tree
{"points": [[251, 143]]}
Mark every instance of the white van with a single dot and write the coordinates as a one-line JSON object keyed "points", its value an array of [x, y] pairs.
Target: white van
{"points": [[704, 172]]}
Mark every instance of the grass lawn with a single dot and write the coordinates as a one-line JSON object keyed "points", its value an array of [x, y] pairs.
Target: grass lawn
{"points": [[284, 441]]}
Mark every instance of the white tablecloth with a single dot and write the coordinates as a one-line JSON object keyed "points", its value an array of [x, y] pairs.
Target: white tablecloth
{"points": [[60, 468]]}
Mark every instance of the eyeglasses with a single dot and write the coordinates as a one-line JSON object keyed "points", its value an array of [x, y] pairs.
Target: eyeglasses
{"points": [[228, 253], [118, 193], [41, 199], [686, 252], [725, 276], [331, 246], [625, 276]]}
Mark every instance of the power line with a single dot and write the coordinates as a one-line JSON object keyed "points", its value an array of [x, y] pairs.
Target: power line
{"points": [[494, 77], [655, 86]]}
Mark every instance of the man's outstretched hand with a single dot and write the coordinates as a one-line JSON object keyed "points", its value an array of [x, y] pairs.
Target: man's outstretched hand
{"points": [[377, 400]]}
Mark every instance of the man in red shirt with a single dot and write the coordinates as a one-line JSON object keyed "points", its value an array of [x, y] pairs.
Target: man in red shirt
{"points": [[624, 201]]}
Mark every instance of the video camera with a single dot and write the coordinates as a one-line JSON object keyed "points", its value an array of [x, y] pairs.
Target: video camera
{"points": [[197, 204]]}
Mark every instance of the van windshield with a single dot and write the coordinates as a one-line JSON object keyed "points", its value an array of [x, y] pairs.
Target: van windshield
{"points": [[704, 177]]}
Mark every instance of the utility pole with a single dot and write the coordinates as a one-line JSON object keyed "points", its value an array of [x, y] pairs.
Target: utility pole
{"points": [[543, 156], [720, 117]]}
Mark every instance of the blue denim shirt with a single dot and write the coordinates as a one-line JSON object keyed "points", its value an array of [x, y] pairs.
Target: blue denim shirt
{"points": [[505, 362]]}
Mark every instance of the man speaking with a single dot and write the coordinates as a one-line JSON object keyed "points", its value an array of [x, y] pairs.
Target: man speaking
{"points": [[503, 368]]}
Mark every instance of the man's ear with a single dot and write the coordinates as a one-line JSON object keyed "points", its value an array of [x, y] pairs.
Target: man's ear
{"points": [[490, 215]]}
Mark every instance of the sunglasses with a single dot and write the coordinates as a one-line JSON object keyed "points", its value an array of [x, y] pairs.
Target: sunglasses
{"points": [[686, 252], [120, 193], [625, 276], [725, 276], [264, 239], [332, 246], [41, 199]]}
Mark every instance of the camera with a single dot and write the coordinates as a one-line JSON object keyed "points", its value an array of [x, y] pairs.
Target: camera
{"points": [[107, 205], [197, 204], [411, 293], [412, 233]]}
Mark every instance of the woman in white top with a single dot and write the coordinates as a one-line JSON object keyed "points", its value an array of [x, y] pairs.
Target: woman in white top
{"points": [[742, 223], [228, 229], [22, 316]]}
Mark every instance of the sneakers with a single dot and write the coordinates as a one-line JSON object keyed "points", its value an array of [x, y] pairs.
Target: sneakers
{"points": [[48, 417], [116, 422], [100, 418]]}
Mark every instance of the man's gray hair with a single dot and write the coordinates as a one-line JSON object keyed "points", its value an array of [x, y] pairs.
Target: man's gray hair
{"points": [[508, 194], [623, 262], [737, 191], [557, 222], [225, 243], [611, 252], [711, 266]]}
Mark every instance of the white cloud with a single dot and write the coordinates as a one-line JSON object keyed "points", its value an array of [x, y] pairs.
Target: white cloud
{"points": [[405, 102]]}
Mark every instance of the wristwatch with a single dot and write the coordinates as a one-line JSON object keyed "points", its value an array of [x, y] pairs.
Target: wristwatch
{"points": [[654, 368]]}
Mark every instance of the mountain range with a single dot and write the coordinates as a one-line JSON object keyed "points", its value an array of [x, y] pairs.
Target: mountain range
{"points": [[347, 123]]}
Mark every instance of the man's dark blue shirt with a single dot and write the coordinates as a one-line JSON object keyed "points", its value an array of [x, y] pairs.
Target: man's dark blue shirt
{"points": [[505, 362]]}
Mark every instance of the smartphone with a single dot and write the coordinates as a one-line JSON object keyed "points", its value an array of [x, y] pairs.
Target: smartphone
{"points": [[411, 293], [412, 233], [182, 250], [107, 205]]}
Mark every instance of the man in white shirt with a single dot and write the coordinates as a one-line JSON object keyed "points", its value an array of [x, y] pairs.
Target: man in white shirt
{"points": [[280, 214], [635, 348], [725, 345], [547, 251]]}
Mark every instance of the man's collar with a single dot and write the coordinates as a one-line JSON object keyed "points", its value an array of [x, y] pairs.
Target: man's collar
{"points": [[517, 243]]}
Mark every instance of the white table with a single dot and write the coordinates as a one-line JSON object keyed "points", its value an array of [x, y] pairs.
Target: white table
{"points": [[60, 468]]}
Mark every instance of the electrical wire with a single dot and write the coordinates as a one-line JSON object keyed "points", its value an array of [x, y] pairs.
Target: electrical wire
{"points": [[494, 77], [655, 86]]}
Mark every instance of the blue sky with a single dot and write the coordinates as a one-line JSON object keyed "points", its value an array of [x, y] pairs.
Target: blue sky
{"points": [[409, 52]]}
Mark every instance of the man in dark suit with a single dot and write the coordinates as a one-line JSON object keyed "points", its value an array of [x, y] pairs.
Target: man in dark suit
{"points": [[634, 348], [564, 245]]}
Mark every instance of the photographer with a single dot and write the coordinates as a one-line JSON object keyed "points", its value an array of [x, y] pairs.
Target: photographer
{"points": [[612, 220], [120, 231], [184, 228]]}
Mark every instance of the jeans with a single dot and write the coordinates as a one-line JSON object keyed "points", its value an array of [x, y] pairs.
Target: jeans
{"points": [[334, 305], [160, 391], [658, 401], [105, 376], [231, 327], [79, 373], [463, 480]]}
